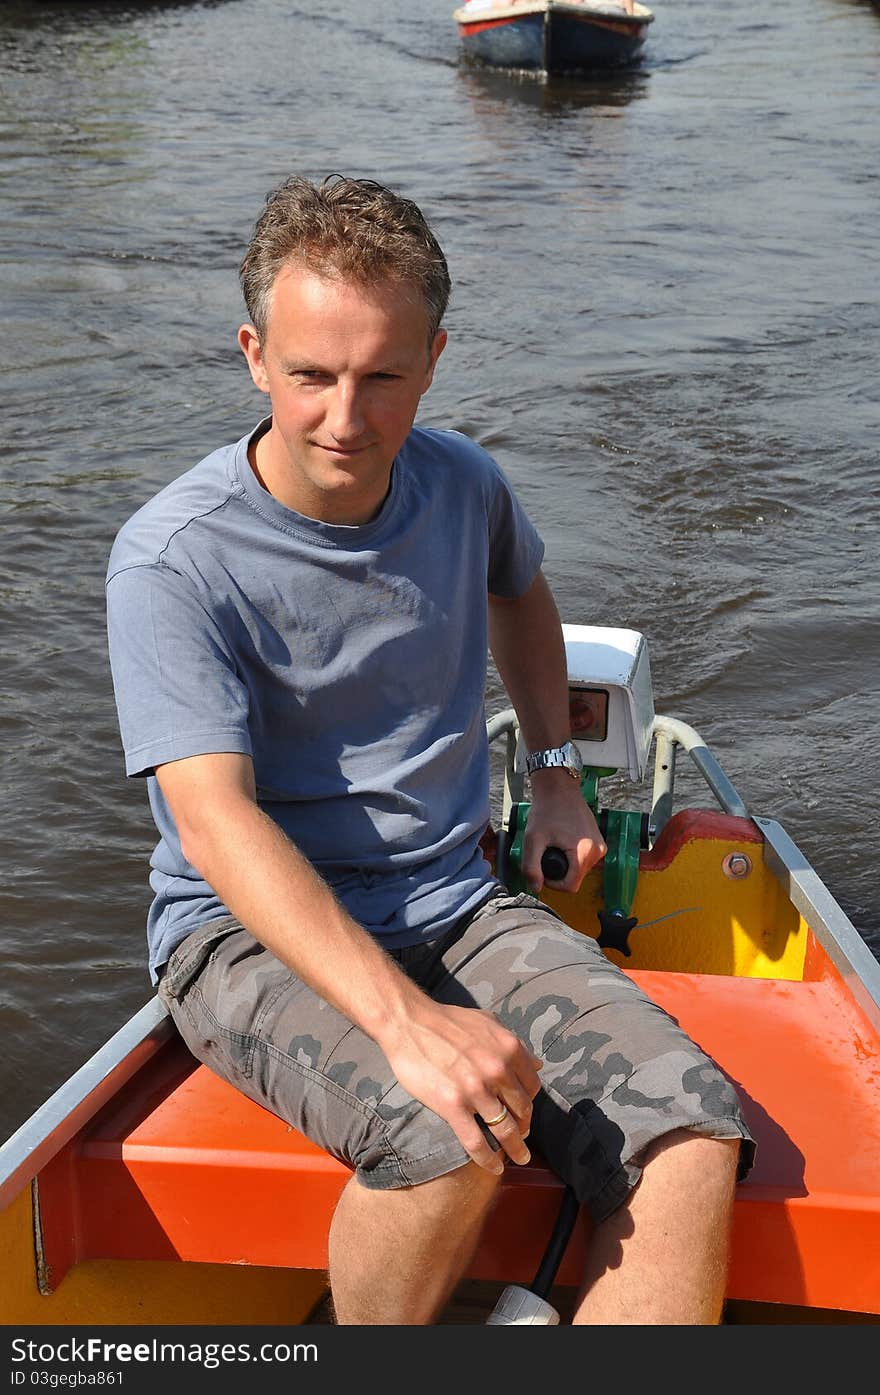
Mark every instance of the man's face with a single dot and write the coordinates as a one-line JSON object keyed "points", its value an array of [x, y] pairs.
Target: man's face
{"points": [[344, 367]]}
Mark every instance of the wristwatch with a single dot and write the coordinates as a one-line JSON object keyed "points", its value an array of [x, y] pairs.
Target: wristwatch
{"points": [[566, 757]]}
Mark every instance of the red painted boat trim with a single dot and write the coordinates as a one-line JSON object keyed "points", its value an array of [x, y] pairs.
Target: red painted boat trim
{"points": [[690, 824], [629, 28], [479, 25], [617, 26]]}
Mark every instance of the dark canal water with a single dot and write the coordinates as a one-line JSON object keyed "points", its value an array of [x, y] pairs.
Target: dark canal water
{"points": [[665, 325]]}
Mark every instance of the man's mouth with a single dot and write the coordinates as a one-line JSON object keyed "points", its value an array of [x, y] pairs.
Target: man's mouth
{"points": [[343, 450]]}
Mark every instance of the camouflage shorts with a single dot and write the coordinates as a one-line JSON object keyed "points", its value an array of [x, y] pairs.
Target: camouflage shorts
{"points": [[618, 1071]]}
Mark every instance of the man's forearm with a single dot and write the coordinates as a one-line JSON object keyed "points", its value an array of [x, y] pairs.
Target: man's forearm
{"points": [[278, 896]]}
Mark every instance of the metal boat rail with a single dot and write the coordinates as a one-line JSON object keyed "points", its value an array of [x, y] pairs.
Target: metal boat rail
{"points": [[669, 734]]}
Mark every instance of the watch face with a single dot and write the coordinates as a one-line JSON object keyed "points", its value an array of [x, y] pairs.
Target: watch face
{"points": [[573, 756]]}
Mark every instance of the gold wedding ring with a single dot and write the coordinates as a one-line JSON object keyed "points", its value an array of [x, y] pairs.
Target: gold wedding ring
{"points": [[490, 1123]]}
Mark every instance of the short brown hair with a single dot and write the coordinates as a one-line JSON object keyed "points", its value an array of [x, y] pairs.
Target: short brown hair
{"points": [[353, 228]]}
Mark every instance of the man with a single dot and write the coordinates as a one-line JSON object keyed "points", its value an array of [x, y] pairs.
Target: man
{"points": [[298, 637]]}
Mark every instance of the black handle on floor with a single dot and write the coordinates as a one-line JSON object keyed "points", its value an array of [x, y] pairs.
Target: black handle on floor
{"points": [[552, 1257]]}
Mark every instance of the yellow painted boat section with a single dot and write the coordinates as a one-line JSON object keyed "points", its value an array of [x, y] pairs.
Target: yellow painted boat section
{"points": [[146, 1291], [693, 918]]}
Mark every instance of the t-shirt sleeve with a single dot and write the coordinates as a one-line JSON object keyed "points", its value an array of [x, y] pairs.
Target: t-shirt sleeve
{"points": [[516, 550], [177, 690]]}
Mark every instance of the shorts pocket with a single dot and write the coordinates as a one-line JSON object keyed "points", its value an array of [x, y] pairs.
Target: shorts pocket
{"points": [[186, 961]]}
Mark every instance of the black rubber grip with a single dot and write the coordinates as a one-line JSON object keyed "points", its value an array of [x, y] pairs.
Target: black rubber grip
{"points": [[554, 865]]}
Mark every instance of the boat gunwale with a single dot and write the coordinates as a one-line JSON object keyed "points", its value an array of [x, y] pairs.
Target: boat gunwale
{"points": [[824, 916], [55, 1122]]}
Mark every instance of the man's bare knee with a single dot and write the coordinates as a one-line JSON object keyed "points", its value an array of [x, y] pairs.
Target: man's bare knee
{"points": [[688, 1150], [662, 1256]]}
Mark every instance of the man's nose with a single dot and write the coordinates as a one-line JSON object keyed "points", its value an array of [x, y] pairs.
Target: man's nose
{"points": [[345, 415]]}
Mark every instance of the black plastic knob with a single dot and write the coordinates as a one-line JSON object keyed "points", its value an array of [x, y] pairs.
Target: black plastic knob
{"points": [[554, 865]]}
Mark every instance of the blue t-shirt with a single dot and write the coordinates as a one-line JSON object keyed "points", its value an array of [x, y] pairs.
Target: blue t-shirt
{"points": [[349, 662]]}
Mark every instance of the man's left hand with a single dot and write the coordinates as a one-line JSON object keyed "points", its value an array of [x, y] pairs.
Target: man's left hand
{"points": [[560, 817]]}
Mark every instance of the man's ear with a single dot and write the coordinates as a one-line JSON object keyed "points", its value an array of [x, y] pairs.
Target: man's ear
{"points": [[249, 343], [436, 350]]}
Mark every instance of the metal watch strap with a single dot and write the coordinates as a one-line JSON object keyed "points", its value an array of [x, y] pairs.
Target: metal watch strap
{"points": [[565, 757]]}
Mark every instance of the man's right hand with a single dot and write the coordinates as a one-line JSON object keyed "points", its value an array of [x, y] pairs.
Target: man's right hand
{"points": [[464, 1064]]}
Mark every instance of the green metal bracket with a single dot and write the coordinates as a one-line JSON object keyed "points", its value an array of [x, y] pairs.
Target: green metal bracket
{"points": [[516, 826], [590, 777], [623, 831]]}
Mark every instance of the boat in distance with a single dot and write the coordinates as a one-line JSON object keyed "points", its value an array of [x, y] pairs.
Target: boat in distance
{"points": [[148, 1190], [554, 36]]}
